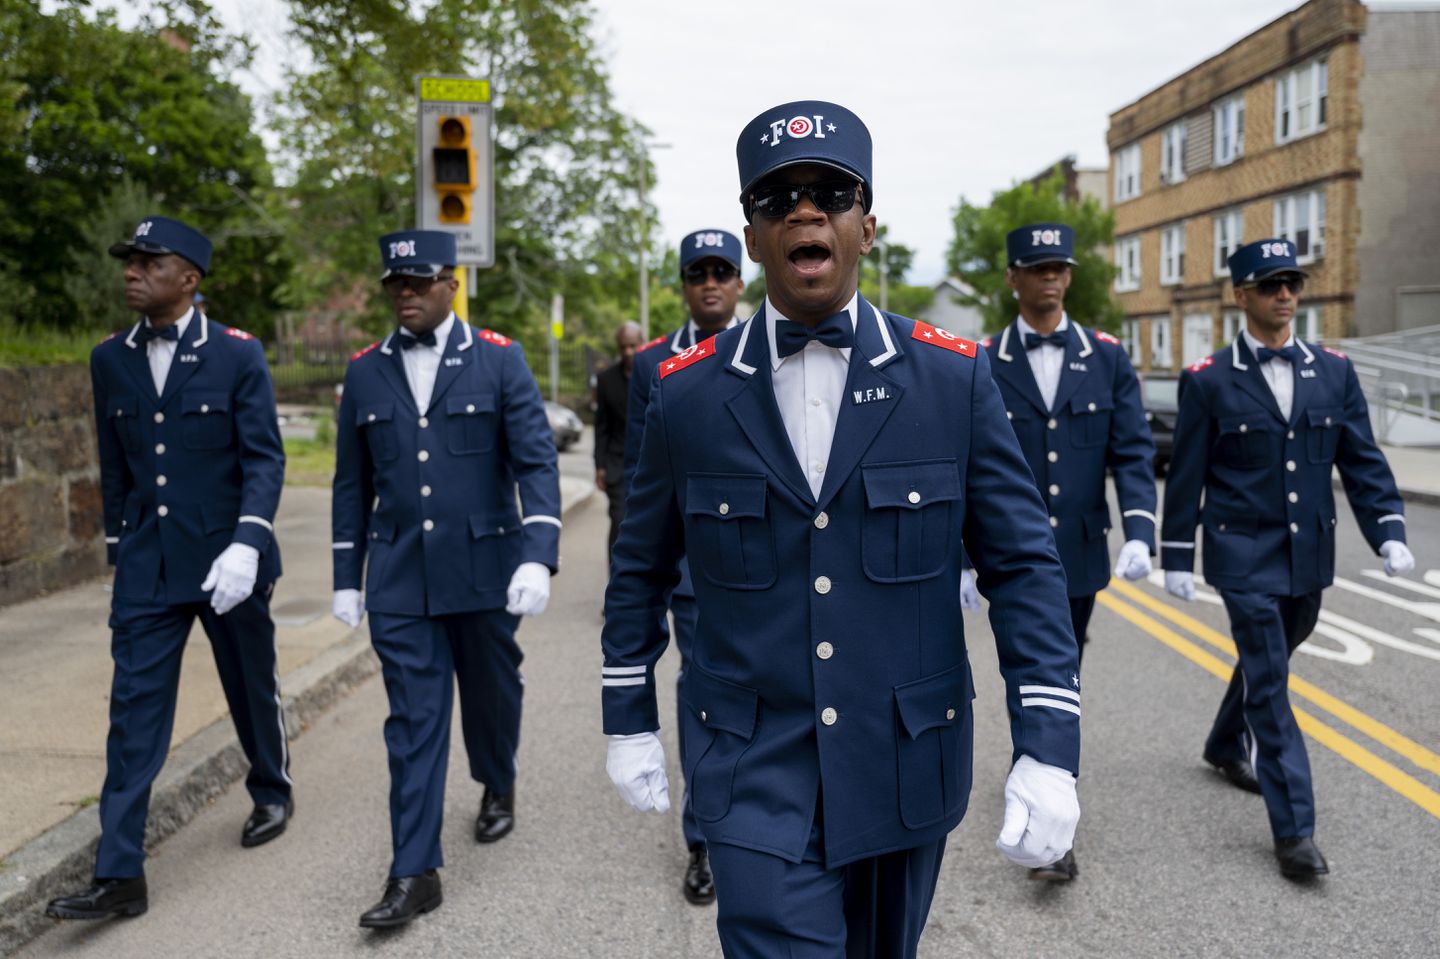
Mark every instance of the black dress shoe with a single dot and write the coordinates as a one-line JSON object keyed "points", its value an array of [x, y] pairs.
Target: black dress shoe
{"points": [[497, 816], [1238, 772], [265, 823], [405, 898], [1061, 870], [104, 898], [1299, 859], [699, 882]]}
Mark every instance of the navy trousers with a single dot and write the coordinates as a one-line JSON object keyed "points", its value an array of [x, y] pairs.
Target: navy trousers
{"points": [[1255, 720], [421, 659], [147, 642], [687, 615], [1080, 609]]}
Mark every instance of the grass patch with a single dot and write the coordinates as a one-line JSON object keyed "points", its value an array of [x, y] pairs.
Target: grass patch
{"points": [[310, 462], [39, 345], [87, 801]]}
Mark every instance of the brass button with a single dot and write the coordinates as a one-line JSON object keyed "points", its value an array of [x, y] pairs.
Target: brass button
{"points": [[822, 585], [724, 509], [949, 714], [161, 480], [1222, 527], [159, 448], [423, 455], [163, 511], [828, 715], [914, 497], [822, 521], [159, 417], [428, 525], [424, 422], [425, 491], [824, 650]]}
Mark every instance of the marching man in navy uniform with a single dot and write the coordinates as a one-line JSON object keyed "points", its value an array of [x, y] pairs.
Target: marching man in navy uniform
{"points": [[1073, 400], [439, 422], [1262, 424], [820, 466], [191, 466], [710, 271]]}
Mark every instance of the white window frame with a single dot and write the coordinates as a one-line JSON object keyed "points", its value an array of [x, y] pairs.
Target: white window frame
{"points": [[1229, 117], [1229, 237], [1233, 321], [1308, 236], [1307, 324], [1130, 339], [1302, 101], [1162, 353], [1172, 153], [1172, 254], [1127, 172], [1127, 255]]}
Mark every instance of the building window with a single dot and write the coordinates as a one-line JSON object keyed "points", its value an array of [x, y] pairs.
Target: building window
{"points": [[1301, 100], [1198, 343], [1172, 153], [1127, 262], [1127, 172], [1229, 115], [1234, 322], [1229, 227], [1160, 357], [1172, 255], [1130, 338], [1300, 218], [1307, 324]]}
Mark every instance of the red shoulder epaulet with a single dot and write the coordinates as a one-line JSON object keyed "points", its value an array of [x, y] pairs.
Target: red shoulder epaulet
{"points": [[935, 336], [1104, 337], [655, 342], [1200, 364], [238, 334], [110, 337], [1334, 352], [359, 353], [689, 357], [985, 342], [499, 339]]}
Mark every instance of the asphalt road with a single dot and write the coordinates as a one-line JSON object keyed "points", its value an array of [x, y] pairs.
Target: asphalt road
{"points": [[1173, 861]]}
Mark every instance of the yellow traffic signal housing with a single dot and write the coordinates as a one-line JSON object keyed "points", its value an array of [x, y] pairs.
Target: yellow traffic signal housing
{"points": [[454, 180]]}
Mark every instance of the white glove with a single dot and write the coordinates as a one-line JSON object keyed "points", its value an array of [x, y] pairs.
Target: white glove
{"points": [[1041, 811], [232, 577], [1398, 558], [529, 590], [1134, 560], [1179, 583], [636, 765], [348, 606], [969, 595]]}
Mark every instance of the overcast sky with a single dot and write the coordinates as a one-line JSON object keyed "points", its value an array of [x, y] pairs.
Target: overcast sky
{"points": [[961, 98]]}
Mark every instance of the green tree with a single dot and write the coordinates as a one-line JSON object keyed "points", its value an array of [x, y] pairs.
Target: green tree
{"points": [[977, 251], [900, 297]]}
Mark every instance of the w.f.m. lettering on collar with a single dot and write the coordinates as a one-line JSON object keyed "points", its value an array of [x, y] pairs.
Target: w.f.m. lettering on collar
{"points": [[871, 395]]}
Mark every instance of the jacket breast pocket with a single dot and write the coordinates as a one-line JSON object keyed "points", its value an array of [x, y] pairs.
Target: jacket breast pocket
{"points": [[205, 415], [733, 542], [1090, 420], [721, 717], [1322, 439], [494, 550], [1245, 441], [908, 516], [470, 423], [932, 745], [377, 425], [122, 416]]}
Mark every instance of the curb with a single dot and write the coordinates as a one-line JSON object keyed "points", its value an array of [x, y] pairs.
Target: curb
{"points": [[198, 771]]}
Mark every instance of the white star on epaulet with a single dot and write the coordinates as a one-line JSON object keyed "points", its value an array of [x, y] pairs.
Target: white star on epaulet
{"points": [[669, 366], [927, 334]]}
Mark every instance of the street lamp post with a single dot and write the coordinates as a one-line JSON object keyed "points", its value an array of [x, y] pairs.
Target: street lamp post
{"points": [[644, 251]]}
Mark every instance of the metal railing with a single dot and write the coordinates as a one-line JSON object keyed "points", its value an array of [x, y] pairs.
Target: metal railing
{"points": [[1400, 375]]}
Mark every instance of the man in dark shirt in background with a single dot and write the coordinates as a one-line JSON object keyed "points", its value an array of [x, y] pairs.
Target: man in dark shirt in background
{"points": [[612, 390]]}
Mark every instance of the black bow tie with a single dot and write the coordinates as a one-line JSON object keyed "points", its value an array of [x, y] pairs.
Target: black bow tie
{"points": [[148, 333], [1033, 340], [1289, 353], [410, 341], [835, 331]]}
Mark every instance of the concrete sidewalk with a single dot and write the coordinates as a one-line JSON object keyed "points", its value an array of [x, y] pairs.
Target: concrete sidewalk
{"points": [[54, 698], [1417, 472]]}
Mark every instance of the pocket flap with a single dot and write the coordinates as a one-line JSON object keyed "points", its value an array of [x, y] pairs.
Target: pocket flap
{"points": [[121, 406], [1227, 523], [204, 401], [382, 529], [910, 485], [1323, 416], [1097, 523], [1081, 405], [483, 524], [374, 413], [721, 704], [725, 495], [470, 405], [939, 700], [1245, 423]]}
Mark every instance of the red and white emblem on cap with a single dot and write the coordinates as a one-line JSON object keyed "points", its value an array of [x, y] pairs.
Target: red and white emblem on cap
{"points": [[499, 339], [935, 336], [689, 357], [799, 127], [238, 334], [1200, 364]]}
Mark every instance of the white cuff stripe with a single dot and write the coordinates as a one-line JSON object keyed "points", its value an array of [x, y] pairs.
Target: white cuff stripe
{"points": [[258, 521], [1172, 544], [541, 519], [342, 545], [1141, 512], [112, 539], [1053, 704], [632, 681], [623, 670], [1060, 691], [1391, 518]]}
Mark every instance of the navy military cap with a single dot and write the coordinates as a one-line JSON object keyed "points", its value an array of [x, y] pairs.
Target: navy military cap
{"points": [[1255, 261], [1040, 243], [703, 244], [805, 131], [417, 252], [160, 234]]}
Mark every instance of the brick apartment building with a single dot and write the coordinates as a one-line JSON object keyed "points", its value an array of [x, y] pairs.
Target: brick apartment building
{"points": [[1323, 127]]}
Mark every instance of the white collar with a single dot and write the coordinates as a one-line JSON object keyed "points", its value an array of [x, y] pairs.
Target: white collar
{"points": [[773, 316]]}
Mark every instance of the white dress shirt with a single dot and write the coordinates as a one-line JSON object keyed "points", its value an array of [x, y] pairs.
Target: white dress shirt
{"points": [[423, 362], [161, 353], [1279, 374], [808, 389], [1046, 360]]}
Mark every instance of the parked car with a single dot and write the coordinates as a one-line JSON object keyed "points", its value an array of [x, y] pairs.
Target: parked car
{"points": [[564, 424], [1160, 395]]}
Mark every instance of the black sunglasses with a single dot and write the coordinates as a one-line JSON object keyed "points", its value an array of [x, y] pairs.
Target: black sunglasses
{"points": [[1271, 284], [696, 273], [395, 283], [779, 199]]}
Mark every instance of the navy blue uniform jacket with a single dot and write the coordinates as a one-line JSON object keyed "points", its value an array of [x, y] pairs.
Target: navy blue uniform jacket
{"points": [[444, 535], [830, 654], [186, 473], [1269, 507]]}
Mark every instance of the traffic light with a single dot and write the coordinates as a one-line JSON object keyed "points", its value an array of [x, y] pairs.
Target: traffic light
{"points": [[454, 179]]}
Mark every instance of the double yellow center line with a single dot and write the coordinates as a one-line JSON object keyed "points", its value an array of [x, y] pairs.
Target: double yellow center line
{"points": [[1328, 735]]}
